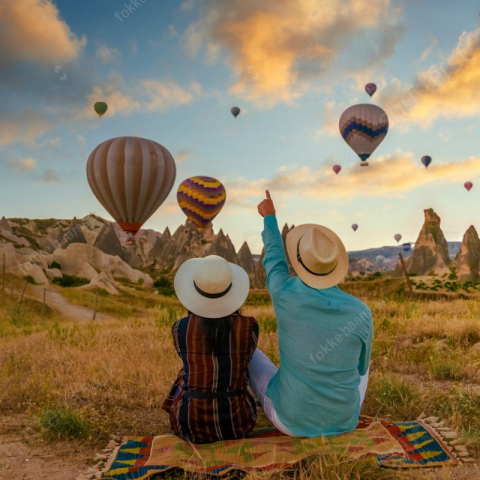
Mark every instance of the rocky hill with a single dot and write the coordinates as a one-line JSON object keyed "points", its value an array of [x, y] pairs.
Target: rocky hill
{"points": [[34, 242], [431, 253]]}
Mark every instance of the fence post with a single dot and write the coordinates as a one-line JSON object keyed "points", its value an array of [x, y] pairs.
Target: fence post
{"points": [[409, 283], [23, 292], [44, 303], [96, 305], [3, 274]]}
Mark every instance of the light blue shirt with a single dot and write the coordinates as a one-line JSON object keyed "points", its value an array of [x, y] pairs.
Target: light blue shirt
{"points": [[325, 340]]}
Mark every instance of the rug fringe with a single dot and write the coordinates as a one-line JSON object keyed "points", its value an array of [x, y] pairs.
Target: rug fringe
{"points": [[103, 458], [449, 436]]}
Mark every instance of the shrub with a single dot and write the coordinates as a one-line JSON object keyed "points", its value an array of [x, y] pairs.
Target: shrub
{"points": [[164, 286], [71, 281], [29, 279], [63, 423]]}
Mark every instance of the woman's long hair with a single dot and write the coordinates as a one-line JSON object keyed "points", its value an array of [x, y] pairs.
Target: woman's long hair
{"points": [[217, 332]]}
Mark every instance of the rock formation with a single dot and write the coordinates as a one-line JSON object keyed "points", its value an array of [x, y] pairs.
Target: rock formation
{"points": [[108, 242], [74, 234], [5, 226], [223, 247], [430, 254], [467, 262], [245, 259]]}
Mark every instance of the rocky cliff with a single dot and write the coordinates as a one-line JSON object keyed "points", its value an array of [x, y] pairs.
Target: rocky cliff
{"points": [[245, 259], [108, 242], [467, 262], [430, 254]]}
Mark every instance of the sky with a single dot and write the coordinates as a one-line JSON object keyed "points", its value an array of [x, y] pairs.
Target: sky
{"points": [[170, 71]]}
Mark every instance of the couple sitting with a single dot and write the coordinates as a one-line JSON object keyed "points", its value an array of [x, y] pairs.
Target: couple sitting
{"points": [[324, 334]]}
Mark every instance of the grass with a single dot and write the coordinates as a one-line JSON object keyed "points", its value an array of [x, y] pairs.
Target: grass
{"points": [[85, 381]]}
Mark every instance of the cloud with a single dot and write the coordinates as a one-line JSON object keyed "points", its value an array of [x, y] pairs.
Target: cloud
{"points": [[172, 31], [32, 31], [391, 175], [48, 176], [278, 50], [142, 95], [108, 54], [448, 89], [23, 165], [182, 156]]}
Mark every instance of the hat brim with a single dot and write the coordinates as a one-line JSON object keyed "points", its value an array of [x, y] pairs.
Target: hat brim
{"points": [[308, 278], [211, 307]]}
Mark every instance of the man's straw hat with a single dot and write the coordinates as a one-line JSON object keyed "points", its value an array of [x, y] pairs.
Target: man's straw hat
{"points": [[318, 255]]}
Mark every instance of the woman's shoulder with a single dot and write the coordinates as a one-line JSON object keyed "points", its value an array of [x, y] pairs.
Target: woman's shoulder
{"points": [[245, 319]]}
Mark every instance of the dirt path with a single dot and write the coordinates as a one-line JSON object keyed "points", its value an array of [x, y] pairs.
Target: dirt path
{"points": [[24, 455], [59, 302]]}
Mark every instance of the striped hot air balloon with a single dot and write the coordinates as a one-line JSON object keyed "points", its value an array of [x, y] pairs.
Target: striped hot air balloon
{"points": [[363, 127], [131, 177], [201, 199]]}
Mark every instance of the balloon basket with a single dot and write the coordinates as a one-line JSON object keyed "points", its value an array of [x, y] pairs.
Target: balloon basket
{"points": [[130, 242], [365, 164]]}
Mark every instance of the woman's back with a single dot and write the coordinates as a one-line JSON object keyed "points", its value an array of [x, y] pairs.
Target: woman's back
{"points": [[209, 401]]}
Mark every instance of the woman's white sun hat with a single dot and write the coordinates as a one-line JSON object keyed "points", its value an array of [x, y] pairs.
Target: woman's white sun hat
{"points": [[211, 287], [317, 255]]}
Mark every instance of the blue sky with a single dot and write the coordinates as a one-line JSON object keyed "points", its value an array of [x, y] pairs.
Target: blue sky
{"points": [[170, 71]]}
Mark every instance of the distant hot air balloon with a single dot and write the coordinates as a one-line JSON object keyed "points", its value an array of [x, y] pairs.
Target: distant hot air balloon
{"points": [[468, 185], [426, 160], [337, 169], [406, 247], [201, 199], [354, 227], [380, 259], [370, 88], [131, 177], [100, 108], [397, 237], [235, 111], [363, 127]]}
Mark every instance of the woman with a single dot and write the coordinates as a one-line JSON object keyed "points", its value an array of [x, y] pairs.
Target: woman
{"points": [[209, 400]]}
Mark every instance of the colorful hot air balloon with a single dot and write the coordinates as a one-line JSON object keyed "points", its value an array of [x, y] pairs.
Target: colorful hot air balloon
{"points": [[363, 127], [468, 186], [337, 169], [397, 237], [370, 88], [426, 160], [201, 199], [131, 177], [406, 247], [100, 108], [235, 111], [354, 227]]}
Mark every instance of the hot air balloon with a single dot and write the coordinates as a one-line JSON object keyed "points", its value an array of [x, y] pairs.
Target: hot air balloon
{"points": [[426, 160], [370, 88], [397, 237], [354, 227], [468, 186], [131, 177], [337, 169], [380, 259], [363, 127], [235, 111], [406, 247], [100, 108], [201, 199]]}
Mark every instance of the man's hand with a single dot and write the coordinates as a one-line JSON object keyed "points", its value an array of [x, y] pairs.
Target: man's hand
{"points": [[266, 207]]}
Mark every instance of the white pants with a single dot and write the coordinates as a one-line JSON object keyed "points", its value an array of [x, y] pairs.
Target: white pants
{"points": [[261, 371]]}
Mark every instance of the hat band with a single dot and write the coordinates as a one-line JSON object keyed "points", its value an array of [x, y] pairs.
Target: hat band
{"points": [[211, 295], [299, 258]]}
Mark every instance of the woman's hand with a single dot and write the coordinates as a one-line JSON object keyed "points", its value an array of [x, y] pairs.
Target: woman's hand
{"points": [[266, 207]]}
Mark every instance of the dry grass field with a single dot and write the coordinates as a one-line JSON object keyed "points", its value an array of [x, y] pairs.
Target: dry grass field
{"points": [[66, 386]]}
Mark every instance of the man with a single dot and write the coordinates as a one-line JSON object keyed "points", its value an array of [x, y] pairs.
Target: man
{"points": [[324, 334]]}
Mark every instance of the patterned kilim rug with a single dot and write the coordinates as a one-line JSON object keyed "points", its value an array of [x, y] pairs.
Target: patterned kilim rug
{"points": [[397, 445]]}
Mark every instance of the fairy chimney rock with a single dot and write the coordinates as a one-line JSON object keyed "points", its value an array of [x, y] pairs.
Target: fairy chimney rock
{"points": [[467, 261], [5, 226], [245, 258]]}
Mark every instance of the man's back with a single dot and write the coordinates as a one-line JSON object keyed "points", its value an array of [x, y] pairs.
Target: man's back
{"points": [[325, 341]]}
